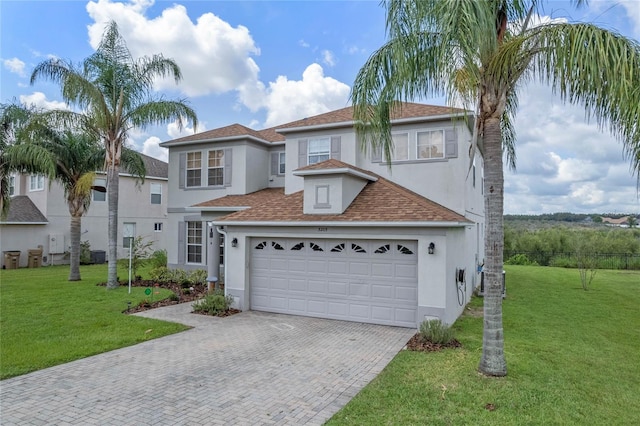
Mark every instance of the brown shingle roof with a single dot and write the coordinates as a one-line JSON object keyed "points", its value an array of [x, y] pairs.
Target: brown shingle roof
{"points": [[345, 115], [22, 210], [248, 200], [231, 131], [379, 201]]}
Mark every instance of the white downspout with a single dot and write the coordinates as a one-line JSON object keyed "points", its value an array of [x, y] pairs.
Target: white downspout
{"points": [[226, 253]]}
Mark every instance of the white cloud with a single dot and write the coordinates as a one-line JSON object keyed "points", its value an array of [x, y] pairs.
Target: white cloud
{"points": [[633, 13], [214, 57], [39, 100], [612, 9], [15, 66], [174, 131], [328, 58], [288, 100], [564, 163], [303, 43], [152, 148]]}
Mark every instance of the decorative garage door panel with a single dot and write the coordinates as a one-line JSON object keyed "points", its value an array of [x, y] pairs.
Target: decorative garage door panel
{"points": [[372, 281]]}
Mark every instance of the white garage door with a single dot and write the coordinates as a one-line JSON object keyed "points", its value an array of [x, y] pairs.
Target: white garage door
{"points": [[372, 281]]}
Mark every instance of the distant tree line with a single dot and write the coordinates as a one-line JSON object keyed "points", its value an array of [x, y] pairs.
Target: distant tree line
{"points": [[614, 247], [564, 217]]}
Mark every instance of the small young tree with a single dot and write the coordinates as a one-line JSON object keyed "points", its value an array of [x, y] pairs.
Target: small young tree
{"points": [[586, 261]]}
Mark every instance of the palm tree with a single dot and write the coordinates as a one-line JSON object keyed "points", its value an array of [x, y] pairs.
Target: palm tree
{"points": [[480, 53], [114, 93], [68, 158], [14, 128]]}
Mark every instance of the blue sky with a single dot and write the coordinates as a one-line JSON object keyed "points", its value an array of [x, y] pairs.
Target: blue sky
{"points": [[262, 63]]}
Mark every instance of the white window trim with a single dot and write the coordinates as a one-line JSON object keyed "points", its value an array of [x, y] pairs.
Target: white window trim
{"points": [[444, 144], [39, 183], [214, 168], [282, 163], [12, 185], [187, 169], [125, 231], [157, 227], [408, 146], [310, 154], [201, 245], [102, 182], [152, 193]]}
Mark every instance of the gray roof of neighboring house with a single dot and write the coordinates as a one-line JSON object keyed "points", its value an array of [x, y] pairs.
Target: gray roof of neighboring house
{"points": [[155, 168], [22, 210]]}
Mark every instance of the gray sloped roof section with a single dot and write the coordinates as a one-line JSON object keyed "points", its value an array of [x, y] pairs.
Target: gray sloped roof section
{"points": [[22, 210], [155, 168]]}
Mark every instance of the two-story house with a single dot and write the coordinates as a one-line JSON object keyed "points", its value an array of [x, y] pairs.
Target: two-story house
{"points": [[39, 216], [312, 226]]}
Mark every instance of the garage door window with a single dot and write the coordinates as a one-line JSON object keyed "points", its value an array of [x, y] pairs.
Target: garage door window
{"points": [[404, 250]]}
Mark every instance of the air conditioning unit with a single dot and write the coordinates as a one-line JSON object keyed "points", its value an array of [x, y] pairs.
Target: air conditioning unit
{"points": [[56, 244]]}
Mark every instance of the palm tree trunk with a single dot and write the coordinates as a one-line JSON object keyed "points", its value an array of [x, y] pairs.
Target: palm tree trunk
{"points": [[75, 227], [112, 195], [493, 362]]}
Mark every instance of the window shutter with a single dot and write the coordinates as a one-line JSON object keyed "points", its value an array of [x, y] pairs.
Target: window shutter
{"points": [[227, 166], [182, 246], [183, 170], [450, 143], [302, 152], [275, 162], [335, 147]]}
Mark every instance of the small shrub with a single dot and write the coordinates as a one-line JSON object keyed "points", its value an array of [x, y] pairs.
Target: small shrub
{"points": [[199, 276], [160, 274], [435, 331], [158, 259], [85, 253], [520, 259], [213, 304]]}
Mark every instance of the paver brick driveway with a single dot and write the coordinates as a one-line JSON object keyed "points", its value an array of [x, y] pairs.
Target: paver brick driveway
{"points": [[250, 368]]}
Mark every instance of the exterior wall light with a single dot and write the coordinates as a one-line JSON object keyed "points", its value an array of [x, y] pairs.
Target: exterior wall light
{"points": [[234, 242], [432, 248]]}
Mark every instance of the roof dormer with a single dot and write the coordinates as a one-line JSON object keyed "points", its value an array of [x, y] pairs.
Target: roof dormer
{"points": [[331, 186]]}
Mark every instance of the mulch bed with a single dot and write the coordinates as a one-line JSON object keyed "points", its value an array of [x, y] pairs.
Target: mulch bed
{"points": [[417, 344], [184, 295]]}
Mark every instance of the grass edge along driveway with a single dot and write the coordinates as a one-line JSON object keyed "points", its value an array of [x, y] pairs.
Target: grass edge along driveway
{"points": [[573, 358], [46, 320]]}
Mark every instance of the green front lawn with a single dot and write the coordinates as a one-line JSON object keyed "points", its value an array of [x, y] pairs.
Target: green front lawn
{"points": [[46, 320], [573, 358]]}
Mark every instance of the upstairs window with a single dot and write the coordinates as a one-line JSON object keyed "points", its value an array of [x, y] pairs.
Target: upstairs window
{"points": [[99, 195], [281, 163], [36, 183], [319, 150], [400, 147], [194, 168], [430, 144], [156, 193], [215, 170], [12, 185]]}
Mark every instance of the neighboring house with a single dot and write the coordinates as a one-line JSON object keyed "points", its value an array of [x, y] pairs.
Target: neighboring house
{"points": [[39, 215], [622, 222], [315, 227]]}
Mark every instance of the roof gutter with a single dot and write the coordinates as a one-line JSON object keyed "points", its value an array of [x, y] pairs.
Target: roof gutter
{"points": [[220, 139], [216, 209], [352, 123], [336, 171], [434, 224]]}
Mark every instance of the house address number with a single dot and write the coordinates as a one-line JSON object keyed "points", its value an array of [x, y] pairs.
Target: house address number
{"points": [[322, 229]]}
